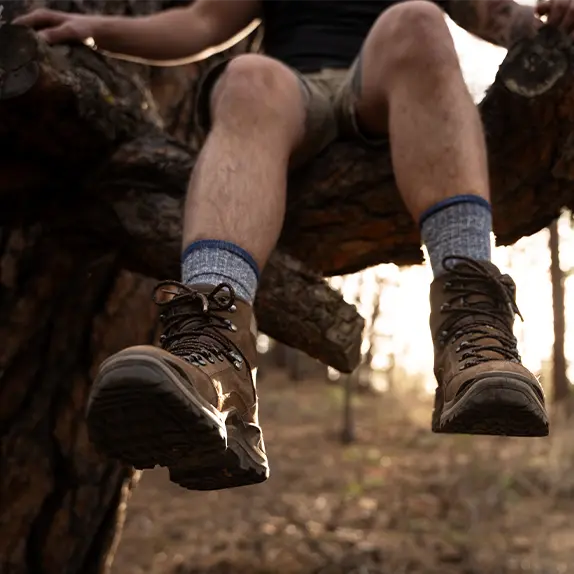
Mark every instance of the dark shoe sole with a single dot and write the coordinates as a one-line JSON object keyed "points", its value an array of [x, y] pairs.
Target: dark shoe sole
{"points": [[497, 405], [141, 414]]}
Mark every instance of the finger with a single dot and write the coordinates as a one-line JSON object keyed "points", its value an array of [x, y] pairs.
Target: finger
{"points": [[58, 34], [40, 18], [548, 8], [543, 8]]}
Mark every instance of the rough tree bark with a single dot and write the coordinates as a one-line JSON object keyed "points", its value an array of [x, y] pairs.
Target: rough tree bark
{"points": [[61, 312], [66, 303], [107, 146], [94, 159]]}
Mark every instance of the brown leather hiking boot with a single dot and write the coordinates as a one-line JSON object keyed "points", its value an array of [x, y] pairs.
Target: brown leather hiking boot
{"points": [[191, 405], [482, 386]]}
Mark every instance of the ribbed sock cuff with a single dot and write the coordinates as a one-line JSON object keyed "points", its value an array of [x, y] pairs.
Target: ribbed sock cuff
{"points": [[213, 262], [450, 201], [226, 246]]}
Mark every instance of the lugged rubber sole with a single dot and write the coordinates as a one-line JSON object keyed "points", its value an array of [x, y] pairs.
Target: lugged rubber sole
{"points": [[142, 415], [496, 405]]}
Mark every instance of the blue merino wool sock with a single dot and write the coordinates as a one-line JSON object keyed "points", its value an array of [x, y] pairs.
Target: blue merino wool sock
{"points": [[211, 262], [458, 225]]}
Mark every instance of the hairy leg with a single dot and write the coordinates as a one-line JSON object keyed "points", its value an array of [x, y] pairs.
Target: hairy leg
{"points": [[412, 85], [191, 404], [237, 189]]}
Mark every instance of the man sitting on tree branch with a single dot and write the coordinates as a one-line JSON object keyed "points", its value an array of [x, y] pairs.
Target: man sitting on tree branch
{"points": [[369, 70]]}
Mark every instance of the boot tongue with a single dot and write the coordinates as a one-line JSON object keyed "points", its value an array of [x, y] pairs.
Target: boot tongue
{"points": [[205, 303], [489, 267], [498, 298], [465, 287], [193, 306], [240, 316], [474, 303], [207, 289]]}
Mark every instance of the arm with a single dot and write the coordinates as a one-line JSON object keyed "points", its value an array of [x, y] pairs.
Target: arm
{"points": [[170, 35], [500, 22]]}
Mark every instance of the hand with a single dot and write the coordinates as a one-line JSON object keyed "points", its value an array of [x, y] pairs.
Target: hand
{"points": [[559, 13], [59, 27]]}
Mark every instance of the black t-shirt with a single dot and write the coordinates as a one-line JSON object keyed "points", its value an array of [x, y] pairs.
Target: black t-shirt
{"points": [[309, 35]]}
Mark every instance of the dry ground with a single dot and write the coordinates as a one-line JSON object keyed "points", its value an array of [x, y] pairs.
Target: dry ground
{"points": [[400, 500]]}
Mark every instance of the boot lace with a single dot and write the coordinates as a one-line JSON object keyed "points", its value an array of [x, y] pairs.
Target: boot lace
{"points": [[488, 318], [192, 329]]}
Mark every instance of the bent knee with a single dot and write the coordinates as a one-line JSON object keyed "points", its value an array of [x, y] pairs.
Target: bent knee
{"points": [[419, 19], [413, 31], [251, 79]]}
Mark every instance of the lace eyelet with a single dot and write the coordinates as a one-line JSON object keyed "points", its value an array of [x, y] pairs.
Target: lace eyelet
{"points": [[162, 338], [446, 285], [462, 345], [441, 339], [232, 309], [444, 307], [238, 365], [211, 359], [162, 316], [231, 326]]}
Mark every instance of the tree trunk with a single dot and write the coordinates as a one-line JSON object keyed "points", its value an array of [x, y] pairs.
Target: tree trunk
{"points": [[66, 304], [560, 382], [295, 366], [279, 353], [364, 382], [348, 433], [95, 157], [62, 311]]}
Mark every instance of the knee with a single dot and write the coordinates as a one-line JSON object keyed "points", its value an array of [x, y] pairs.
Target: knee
{"points": [[253, 84], [411, 35]]}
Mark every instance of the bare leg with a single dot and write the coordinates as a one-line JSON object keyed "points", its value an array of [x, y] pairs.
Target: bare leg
{"points": [[412, 86], [237, 190], [192, 403]]}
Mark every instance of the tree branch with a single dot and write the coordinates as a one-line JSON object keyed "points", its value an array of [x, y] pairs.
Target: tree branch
{"points": [[344, 212]]}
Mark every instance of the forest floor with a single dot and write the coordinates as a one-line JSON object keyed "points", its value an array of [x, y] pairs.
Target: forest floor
{"points": [[400, 500]]}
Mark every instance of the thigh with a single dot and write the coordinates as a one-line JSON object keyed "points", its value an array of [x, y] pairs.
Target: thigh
{"points": [[316, 97], [403, 32], [351, 105]]}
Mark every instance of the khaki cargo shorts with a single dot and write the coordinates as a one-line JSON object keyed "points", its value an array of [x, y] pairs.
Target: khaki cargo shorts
{"points": [[330, 104]]}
